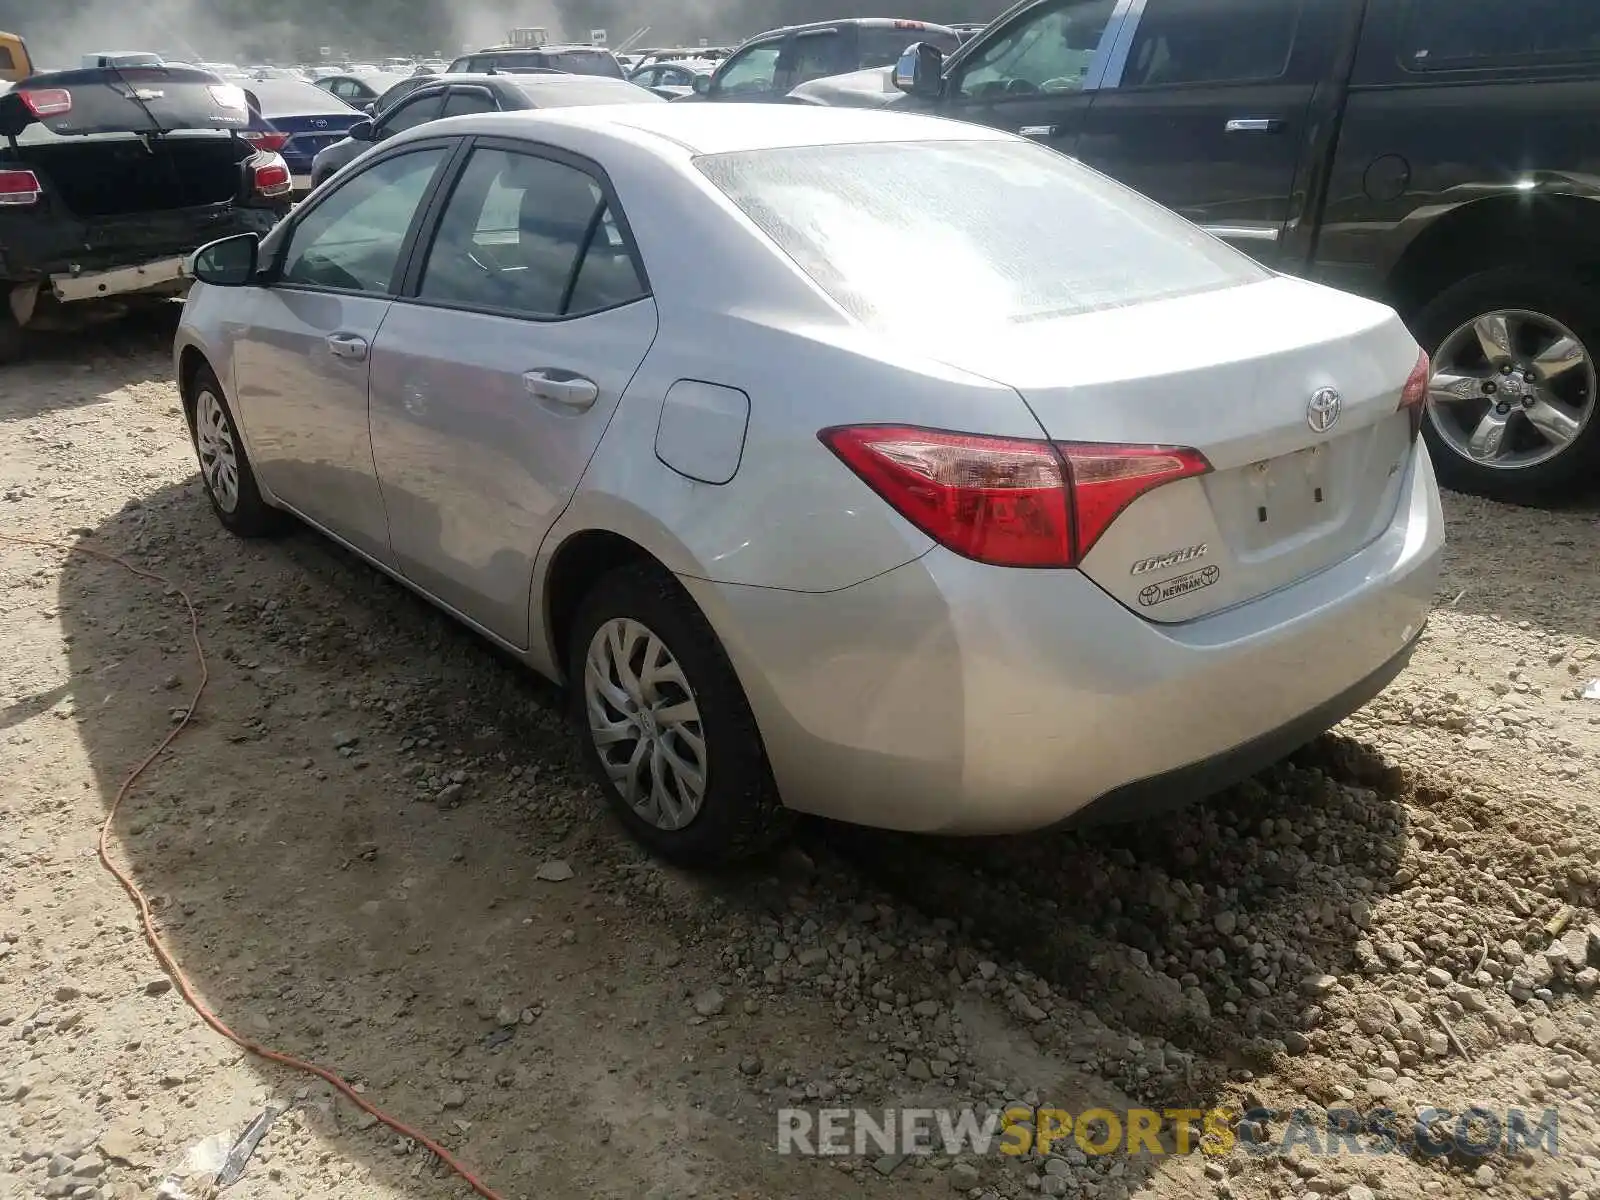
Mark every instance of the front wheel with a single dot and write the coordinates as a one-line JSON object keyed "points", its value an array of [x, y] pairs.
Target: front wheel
{"points": [[665, 725], [1512, 403], [225, 470]]}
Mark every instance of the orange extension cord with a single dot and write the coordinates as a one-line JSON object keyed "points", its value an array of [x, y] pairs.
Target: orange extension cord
{"points": [[168, 963]]}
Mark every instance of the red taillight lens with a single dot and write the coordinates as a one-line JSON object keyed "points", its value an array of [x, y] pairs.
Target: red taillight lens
{"points": [[270, 175], [1009, 502], [1414, 396], [19, 188], [1108, 478], [266, 141], [47, 102], [998, 500]]}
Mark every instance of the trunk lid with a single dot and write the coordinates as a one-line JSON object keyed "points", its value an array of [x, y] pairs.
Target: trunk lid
{"points": [[147, 100], [1245, 375]]}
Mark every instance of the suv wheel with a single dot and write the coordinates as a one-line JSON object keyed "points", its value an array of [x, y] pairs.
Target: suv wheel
{"points": [[665, 725], [1514, 402]]}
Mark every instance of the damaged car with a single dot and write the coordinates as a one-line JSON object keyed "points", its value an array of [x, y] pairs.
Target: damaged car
{"points": [[110, 178]]}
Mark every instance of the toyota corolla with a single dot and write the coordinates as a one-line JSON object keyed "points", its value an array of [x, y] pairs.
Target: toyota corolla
{"points": [[837, 461]]}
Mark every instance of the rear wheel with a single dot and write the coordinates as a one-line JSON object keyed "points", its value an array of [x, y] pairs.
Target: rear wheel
{"points": [[1512, 404], [225, 470], [665, 724]]}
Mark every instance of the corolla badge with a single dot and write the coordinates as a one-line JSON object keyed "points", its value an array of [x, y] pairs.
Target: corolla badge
{"points": [[1322, 414], [318, 123]]}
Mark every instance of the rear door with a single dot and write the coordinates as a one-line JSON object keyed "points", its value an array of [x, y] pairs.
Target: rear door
{"points": [[1036, 73], [303, 345], [522, 323], [1206, 112]]}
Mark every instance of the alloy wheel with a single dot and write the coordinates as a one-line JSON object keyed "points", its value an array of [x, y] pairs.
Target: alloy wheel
{"points": [[645, 723], [1511, 389]]}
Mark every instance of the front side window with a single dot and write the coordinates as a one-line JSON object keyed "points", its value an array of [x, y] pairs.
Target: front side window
{"points": [[1050, 50], [412, 113], [1441, 35], [352, 240], [937, 239], [751, 72], [530, 236], [1211, 41]]}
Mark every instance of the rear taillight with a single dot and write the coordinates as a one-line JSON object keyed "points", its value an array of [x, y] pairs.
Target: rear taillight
{"points": [[1108, 478], [266, 141], [1009, 502], [270, 175], [47, 102], [1414, 396], [19, 189]]}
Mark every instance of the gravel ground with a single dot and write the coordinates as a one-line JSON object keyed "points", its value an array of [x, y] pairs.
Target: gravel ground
{"points": [[375, 848]]}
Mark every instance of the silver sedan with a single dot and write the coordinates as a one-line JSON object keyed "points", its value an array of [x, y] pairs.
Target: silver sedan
{"points": [[842, 462]]}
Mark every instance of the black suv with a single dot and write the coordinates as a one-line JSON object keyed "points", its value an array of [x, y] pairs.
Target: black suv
{"points": [[1439, 155]]}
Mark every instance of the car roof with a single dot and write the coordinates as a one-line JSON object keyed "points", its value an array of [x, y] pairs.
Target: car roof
{"points": [[728, 128], [905, 23]]}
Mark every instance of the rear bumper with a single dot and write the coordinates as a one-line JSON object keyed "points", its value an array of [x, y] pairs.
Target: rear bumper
{"points": [[40, 247], [163, 276], [945, 696]]}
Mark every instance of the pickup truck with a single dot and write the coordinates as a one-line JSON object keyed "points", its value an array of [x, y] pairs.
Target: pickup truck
{"points": [[1438, 155], [109, 178]]}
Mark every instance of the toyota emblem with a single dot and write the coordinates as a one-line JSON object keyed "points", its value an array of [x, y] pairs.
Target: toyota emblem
{"points": [[1322, 414]]}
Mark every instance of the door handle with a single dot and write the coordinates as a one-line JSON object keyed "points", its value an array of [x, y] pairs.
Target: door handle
{"points": [[1038, 131], [347, 345], [561, 387], [1254, 125]]}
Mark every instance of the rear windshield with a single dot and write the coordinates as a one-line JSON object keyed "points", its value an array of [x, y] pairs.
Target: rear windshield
{"points": [[559, 93], [293, 98], [922, 236]]}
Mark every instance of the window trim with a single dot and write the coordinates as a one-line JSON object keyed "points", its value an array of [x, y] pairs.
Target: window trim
{"points": [[1477, 67], [1136, 21], [1123, 17], [453, 150], [411, 281]]}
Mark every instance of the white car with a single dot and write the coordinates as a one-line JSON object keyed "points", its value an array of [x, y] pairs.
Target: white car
{"points": [[849, 462]]}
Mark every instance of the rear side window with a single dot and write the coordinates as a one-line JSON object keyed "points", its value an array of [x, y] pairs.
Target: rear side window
{"points": [[939, 239], [531, 236], [1443, 35], [877, 46], [1211, 41], [818, 55]]}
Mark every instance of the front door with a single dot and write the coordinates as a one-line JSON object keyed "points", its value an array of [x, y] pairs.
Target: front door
{"points": [[1037, 75], [1209, 112], [302, 356], [496, 374]]}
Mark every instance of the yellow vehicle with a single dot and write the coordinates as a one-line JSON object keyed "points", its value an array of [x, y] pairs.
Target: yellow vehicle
{"points": [[15, 65]]}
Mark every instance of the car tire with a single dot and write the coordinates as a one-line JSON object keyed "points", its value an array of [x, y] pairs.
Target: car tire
{"points": [[11, 338], [225, 470], [640, 611], [1444, 327]]}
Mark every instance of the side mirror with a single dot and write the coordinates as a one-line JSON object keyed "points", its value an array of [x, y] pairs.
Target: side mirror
{"points": [[370, 107], [701, 85], [362, 131], [227, 262], [920, 71]]}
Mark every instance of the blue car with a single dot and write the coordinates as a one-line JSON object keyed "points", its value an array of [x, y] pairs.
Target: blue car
{"points": [[297, 120]]}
